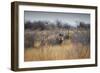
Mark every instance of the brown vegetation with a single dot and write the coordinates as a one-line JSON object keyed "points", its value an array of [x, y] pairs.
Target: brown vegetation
{"points": [[62, 52], [46, 41], [67, 50]]}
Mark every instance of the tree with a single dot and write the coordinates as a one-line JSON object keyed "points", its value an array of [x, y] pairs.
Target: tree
{"points": [[83, 25], [59, 24], [28, 25]]}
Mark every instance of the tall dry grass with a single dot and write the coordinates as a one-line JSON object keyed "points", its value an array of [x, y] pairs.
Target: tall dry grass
{"points": [[67, 50]]}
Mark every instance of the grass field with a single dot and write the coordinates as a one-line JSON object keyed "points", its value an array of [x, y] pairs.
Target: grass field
{"points": [[67, 50]]}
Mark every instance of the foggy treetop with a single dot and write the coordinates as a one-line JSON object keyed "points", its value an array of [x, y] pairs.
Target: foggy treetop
{"points": [[73, 19]]}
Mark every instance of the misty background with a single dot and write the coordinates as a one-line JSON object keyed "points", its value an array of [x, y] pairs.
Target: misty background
{"points": [[72, 19]]}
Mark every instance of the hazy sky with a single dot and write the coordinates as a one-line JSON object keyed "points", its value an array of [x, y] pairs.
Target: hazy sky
{"points": [[71, 18]]}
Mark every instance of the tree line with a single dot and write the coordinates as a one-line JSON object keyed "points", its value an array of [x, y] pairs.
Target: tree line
{"points": [[47, 25]]}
